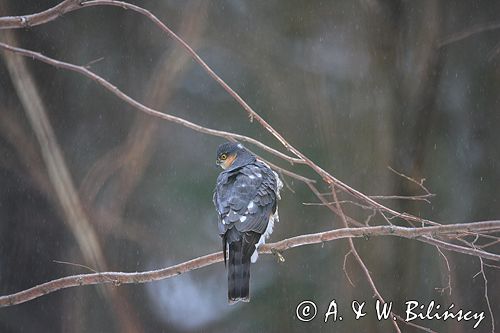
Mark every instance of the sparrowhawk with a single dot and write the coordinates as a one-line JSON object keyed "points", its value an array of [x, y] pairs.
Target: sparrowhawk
{"points": [[245, 197]]}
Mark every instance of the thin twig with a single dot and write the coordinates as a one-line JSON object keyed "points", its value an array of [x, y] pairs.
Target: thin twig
{"points": [[75, 264], [448, 286], [368, 219], [483, 27], [489, 244], [492, 266], [422, 197], [345, 268], [487, 299], [90, 63], [340, 202], [457, 248], [418, 183]]}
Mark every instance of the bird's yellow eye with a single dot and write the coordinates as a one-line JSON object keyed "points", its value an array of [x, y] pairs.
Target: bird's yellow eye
{"points": [[223, 157]]}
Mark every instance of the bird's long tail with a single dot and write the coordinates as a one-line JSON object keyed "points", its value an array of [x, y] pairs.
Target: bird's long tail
{"points": [[238, 276]]}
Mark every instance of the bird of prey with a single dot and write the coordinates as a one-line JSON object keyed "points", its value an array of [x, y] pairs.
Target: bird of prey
{"points": [[245, 197]]}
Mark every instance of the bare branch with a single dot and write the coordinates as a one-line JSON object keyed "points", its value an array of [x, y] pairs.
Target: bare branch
{"points": [[458, 248], [418, 183], [26, 21], [486, 297], [84, 71], [118, 278], [345, 268], [448, 285], [59, 175], [422, 197], [288, 172], [469, 32], [357, 204]]}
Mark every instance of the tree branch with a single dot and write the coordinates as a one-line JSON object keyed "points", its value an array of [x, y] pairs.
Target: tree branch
{"points": [[118, 278], [59, 175], [26, 21], [476, 29], [120, 94]]}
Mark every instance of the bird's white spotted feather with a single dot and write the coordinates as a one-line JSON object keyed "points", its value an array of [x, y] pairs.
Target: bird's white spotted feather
{"points": [[274, 218]]}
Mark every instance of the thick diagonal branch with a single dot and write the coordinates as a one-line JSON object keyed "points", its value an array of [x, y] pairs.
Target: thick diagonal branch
{"points": [[60, 178]]}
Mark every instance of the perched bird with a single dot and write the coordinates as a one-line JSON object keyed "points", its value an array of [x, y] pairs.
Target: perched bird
{"points": [[245, 197]]}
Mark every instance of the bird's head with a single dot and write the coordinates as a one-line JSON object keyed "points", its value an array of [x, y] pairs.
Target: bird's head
{"points": [[231, 155]]}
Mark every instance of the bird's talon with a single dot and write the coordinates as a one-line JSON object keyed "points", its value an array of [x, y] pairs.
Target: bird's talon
{"points": [[278, 254]]}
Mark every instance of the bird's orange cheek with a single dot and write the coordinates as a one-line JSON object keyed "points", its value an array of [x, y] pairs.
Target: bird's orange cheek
{"points": [[229, 161]]}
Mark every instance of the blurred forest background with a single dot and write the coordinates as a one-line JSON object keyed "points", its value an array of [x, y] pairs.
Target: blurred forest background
{"points": [[356, 85]]}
